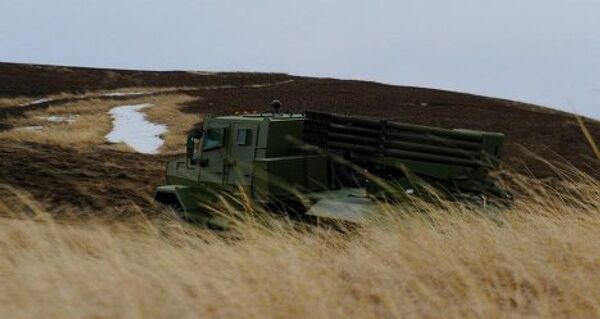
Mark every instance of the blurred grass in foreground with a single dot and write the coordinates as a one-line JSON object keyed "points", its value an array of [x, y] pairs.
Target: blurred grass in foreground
{"points": [[538, 258]]}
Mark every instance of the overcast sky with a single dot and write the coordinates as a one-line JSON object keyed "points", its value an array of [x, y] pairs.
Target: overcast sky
{"points": [[540, 51]]}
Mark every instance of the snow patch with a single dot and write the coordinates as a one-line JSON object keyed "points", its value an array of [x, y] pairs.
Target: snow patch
{"points": [[218, 87], [113, 94], [131, 127], [31, 128], [60, 119], [40, 101], [264, 85]]}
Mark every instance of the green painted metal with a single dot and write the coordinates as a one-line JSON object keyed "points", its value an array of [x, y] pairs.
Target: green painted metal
{"points": [[274, 157]]}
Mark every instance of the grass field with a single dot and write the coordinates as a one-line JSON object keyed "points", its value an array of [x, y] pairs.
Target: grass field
{"points": [[540, 258]]}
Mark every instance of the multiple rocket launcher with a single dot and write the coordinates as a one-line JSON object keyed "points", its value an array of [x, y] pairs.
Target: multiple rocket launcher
{"points": [[281, 157]]}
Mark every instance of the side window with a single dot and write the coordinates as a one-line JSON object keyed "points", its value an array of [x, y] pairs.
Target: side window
{"points": [[244, 136], [213, 139]]}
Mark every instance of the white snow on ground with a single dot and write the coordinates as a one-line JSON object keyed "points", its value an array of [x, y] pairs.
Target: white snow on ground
{"points": [[40, 101], [31, 128], [264, 85], [60, 119], [131, 127], [124, 93], [217, 87], [70, 119]]}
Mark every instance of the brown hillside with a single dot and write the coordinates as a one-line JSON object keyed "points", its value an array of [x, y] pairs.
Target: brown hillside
{"points": [[547, 132], [40, 80], [541, 130]]}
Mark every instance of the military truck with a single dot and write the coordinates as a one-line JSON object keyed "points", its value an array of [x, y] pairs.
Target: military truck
{"points": [[335, 165]]}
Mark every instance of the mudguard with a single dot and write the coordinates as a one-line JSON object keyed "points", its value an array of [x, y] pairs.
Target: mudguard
{"points": [[347, 204], [188, 199]]}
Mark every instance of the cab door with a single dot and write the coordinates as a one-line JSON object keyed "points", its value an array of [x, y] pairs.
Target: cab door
{"points": [[242, 146], [213, 154]]}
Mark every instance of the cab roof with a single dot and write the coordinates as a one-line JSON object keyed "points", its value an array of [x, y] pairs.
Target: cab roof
{"points": [[263, 116]]}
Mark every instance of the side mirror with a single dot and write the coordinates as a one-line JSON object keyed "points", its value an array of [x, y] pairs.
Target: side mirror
{"points": [[196, 134], [189, 149]]}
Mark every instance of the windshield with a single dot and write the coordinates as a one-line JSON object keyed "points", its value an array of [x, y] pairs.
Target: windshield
{"points": [[213, 139]]}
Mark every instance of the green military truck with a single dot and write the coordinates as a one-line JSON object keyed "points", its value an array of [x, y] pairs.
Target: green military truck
{"points": [[333, 164]]}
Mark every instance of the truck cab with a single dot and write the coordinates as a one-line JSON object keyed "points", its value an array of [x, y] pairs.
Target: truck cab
{"points": [[254, 156]]}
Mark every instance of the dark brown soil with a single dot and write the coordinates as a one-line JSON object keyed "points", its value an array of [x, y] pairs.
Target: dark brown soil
{"points": [[99, 177], [40, 80]]}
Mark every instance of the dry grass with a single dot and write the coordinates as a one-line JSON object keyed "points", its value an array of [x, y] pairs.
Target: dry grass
{"points": [[92, 122], [22, 100], [13, 101], [538, 259], [588, 136], [166, 110]]}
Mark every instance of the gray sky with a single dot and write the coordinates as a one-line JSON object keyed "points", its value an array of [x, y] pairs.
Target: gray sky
{"points": [[540, 51]]}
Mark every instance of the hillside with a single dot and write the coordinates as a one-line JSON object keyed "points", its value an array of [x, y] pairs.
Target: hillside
{"points": [[91, 174], [81, 236]]}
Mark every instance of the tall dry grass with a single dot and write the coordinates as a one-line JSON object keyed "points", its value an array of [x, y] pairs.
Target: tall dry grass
{"points": [[588, 136], [540, 258]]}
